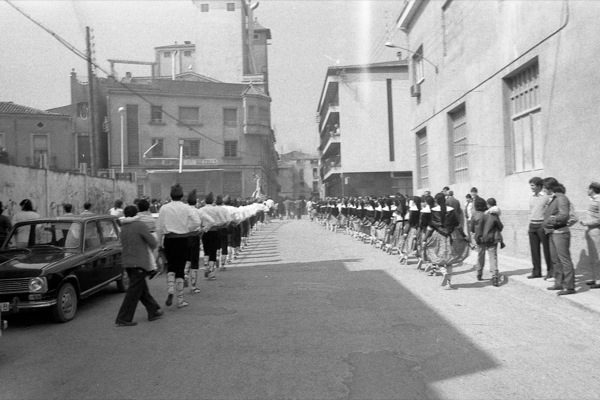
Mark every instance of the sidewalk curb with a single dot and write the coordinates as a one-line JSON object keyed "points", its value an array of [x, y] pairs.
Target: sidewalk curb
{"points": [[578, 299]]}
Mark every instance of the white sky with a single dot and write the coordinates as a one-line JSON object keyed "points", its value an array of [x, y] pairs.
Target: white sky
{"points": [[306, 36]]}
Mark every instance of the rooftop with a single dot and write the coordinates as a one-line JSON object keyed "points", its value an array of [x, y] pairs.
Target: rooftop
{"points": [[8, 107]]}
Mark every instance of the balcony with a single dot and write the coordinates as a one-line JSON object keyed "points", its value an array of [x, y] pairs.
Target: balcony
{"points": [[331, 166], [257, 127], [332, 116], [331, 143]]}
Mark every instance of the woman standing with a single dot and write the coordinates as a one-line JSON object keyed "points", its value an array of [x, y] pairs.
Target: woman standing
{"points": [[445, 243], [411, 233], [25, 214]]}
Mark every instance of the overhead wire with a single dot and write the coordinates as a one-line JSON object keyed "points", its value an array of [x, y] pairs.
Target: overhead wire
{"points": [[82, 55]]}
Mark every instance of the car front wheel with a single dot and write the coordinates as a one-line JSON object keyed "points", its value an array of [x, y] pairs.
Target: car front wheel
{"points": [[66, 305], [123, 282]]}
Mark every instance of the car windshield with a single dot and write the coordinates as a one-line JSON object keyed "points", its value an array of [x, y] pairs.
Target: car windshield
{"points": [[63, 234]]}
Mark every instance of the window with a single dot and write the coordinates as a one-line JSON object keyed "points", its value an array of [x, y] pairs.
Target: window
{"points": [[459, 167], [230, 6], [189, 114], [252, 115], [527, 140], [231, 148], [40, 148], [422, 167], [204, 7], [92, 236], [156, 114], [417, 63], [256, 37], [167, 54], [315, 173], [110, 233], [191, 148], [263, 116], [230, 117], [301, 173], [82, 110], [187, 53], [158, 150]]}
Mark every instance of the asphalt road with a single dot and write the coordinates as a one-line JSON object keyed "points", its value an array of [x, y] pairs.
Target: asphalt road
{"points": [[310, 314]]}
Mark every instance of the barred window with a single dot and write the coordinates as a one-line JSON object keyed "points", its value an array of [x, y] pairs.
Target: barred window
{"points": [[191, 148], [159, 149], [231, 148], [459, 146], [156, 114], [423, 166], [527, 140]]}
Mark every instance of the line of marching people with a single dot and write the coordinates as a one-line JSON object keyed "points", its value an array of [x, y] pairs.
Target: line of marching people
{"points": [[424, 229], [219, 228]]}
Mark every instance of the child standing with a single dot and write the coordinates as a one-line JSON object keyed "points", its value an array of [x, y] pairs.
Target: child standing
{"points": [[488, 235]]}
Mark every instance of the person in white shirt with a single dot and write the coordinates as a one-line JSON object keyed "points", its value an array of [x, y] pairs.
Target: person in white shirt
{"points": [[176, 223], [117, 210]]}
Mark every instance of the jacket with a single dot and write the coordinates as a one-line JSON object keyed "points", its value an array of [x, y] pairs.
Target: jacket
{"points": [[488, 229], [136, 238], [556, 214]]}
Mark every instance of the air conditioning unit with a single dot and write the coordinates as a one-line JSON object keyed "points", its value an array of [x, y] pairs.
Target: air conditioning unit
{"points": [[415, 90]]}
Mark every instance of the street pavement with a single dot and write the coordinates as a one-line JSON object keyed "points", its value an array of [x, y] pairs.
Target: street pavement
{"points": [[306, 313]]}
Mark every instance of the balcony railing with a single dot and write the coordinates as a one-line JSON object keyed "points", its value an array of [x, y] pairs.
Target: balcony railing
{"points": [[331, 166]]}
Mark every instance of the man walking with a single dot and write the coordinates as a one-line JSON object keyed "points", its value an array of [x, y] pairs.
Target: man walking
{"points": [[454, 203], [537, 236], [136, 239], [592, 235], [176, 223]]}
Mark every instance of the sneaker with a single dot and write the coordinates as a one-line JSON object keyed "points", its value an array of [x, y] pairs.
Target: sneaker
{"points": [[183, 304], [195, 290], [125, 323], [169, 300], [159, 313], [223, 268]]}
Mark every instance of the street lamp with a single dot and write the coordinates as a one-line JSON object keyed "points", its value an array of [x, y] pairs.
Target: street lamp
{"points": [[181, 141], [393, 46], [122, 112]]}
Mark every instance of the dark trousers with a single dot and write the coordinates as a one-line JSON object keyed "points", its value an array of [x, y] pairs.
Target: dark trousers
{"points": [[194, 251], [564, 272], [537, 238], [211, 243], [137, 291], [223, 240], [176, 251]]}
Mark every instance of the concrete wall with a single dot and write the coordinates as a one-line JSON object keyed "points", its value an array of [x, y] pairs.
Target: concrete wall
{"points": [[49, 190], [476, 46]]}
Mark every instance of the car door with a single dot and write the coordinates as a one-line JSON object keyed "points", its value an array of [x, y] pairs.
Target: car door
{"points": [[111, 242]]}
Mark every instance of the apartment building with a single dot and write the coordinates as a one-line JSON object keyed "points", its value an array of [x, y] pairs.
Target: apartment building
{"points": [[503, 91], [365, 147]]}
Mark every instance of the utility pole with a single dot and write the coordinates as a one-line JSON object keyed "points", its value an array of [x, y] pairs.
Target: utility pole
{"points": [[91, 105]]}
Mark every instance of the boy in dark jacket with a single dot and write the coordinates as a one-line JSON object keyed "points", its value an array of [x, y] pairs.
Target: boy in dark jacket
{"points": [[136, 239], [487, 235]]}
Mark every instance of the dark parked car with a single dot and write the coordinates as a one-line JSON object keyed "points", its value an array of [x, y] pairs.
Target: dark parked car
{"points": [[54, 262]]}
